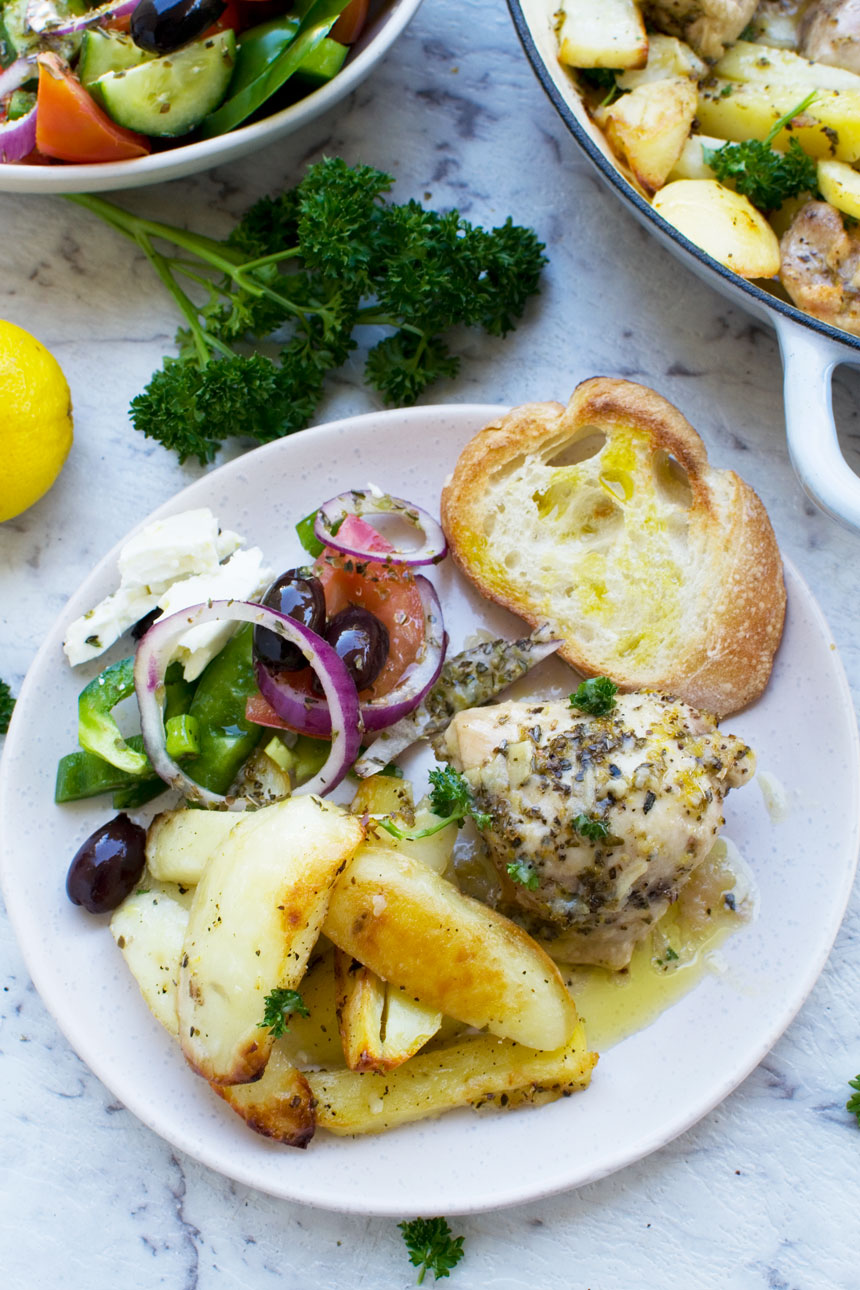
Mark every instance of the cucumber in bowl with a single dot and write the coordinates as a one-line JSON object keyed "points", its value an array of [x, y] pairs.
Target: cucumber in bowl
{"points": [[122, 78], [169, 95]]}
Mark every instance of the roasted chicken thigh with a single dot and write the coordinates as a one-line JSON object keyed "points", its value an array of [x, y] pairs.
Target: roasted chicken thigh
{"points": [[596, 822]]}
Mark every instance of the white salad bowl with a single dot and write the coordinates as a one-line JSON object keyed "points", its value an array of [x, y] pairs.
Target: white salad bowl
{"points": [[386, 20], [811, 350]]}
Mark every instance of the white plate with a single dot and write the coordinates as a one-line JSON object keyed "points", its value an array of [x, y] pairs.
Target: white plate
{"points": [[695, 1054], [387, 20]]}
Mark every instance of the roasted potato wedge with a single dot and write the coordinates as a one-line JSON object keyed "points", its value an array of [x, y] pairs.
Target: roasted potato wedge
{"points": [[840, 185], [179, 843], [610, 33], [280, 1105], [648, 127], [471, 1072], [762, 65], [149, 928], [435, 851], [830, 126], [380, 1026], [416, 930], [383, 795], [723, 223], [255, 917], [360, 996], [667, 57]]}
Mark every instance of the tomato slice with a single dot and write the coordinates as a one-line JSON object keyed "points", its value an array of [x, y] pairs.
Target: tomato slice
{"points": [[387, 591], [72, 127], [349, 25]]}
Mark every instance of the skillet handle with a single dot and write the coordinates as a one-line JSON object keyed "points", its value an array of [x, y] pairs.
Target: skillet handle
{"points": [[809, 360]]}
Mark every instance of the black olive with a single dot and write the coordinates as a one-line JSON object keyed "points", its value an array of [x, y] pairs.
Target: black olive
{"points": [[142, 626], [107, 866], [298, 594], [160, 26], [361, 640]]}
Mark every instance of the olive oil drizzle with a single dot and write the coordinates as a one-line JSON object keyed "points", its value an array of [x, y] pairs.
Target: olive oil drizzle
{"points": [[675, 956]]}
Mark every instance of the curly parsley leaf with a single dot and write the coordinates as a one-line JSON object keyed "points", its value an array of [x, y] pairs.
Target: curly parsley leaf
{"points": [[602, 80], [7, 703], [766, 177], [432, 1246], [452, 795], [279, 1005], [595, 696], [590, 828], [301, 272], [451, 798], [523, 872], [853, 1103]]}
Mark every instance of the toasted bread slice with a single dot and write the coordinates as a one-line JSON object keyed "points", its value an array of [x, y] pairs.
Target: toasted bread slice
{"points": [[606, 520]]}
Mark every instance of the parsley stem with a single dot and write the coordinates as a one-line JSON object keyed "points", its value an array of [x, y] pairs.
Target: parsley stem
{"points": [[789, 116], [413, 835], [203, 343], [275, 258]]}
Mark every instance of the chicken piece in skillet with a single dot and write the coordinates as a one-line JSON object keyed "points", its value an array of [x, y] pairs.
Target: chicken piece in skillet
{"points": [[708, 25], [829, 32], [602, 819], [820, 266]]}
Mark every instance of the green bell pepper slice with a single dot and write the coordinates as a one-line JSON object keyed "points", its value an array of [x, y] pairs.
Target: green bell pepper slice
{"points": [[98, 732], [225, 736], [244, 101]]}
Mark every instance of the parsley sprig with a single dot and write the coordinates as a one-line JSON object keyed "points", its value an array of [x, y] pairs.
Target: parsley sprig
{"points": [[279, 1005], [853, 1103], [766, 177], [312, 265], [7, 703], [587, 826], [451, 797], [595, 696], [523, 872], [432, 1246]]}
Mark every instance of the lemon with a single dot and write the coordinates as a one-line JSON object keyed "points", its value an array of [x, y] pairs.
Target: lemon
{"points": [[35, 420]]}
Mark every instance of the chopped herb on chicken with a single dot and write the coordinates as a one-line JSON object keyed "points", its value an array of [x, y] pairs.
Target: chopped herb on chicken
{"points": [[524, 872], [595, 696]]}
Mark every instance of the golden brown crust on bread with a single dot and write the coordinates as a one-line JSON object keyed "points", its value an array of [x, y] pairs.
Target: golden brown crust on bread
{"points": [[656, 568]]}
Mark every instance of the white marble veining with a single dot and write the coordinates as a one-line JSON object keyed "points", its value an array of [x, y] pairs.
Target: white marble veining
{"points": [[762, 1194]]}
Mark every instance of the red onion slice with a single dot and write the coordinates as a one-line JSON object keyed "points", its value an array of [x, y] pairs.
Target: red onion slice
{"points": [[51, 24], [154, 655], [18, 138], [14, 76], [332, 513], [310, 715]]}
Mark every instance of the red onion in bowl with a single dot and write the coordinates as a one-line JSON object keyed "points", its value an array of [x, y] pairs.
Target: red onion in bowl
{"points": [[310, 716], [156, 650], [364, 502], [18, 138], [14, 76], [68, 26]]}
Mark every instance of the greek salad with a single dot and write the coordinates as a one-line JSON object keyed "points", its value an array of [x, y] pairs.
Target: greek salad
{"points": [[114, 82], [251, 685]]}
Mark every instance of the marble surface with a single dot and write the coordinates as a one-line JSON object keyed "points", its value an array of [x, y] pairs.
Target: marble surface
{"points": [[762, 1193]]}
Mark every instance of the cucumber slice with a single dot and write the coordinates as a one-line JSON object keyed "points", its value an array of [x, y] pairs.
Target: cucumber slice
{"points": [[170, 95], [107, 51]]}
